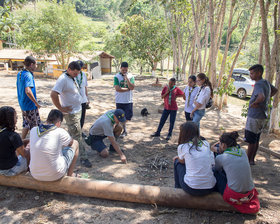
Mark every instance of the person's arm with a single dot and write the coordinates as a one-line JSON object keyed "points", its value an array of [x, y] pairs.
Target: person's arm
{"points": [[214, 147], [260, 98], [117, 148], [56, 102], [165, 92], [184, 96], [274, 90], [87, 94], [180, 93], [29, 93], [180, 160], [129, 83], [121, 89], [219, 162]]}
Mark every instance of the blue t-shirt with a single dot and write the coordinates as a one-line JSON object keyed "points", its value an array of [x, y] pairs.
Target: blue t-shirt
{"points": [[264, 87], [25, 79]]}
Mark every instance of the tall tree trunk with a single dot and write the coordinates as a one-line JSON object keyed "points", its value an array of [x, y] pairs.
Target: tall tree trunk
{"points": [[274, 117], [206, 45], [242, 42], [268, 74]]}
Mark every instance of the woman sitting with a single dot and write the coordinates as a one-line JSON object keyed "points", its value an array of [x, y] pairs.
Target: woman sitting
{"points": [[193, 165], [233, 174], [12, 152]]}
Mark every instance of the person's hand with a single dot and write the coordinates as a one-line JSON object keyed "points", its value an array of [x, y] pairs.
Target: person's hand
{"points": [[191, 115], [123, 158], [38, 105], [174, 158], [254, 105], [125, 76], [214, 147], [66, 110]]}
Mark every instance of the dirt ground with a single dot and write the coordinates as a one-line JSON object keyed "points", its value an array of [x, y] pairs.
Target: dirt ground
{"points": [[27, 206]]}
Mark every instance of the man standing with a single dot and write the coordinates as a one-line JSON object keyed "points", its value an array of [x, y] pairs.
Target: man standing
{"points": [[69, 103], [124, 85], [257, 112], [82, 82], [108, 125], [27, 99], [53, 152]]}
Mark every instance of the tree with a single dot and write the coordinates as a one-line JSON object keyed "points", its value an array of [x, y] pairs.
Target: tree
{"points": [[146, 39], [55, 28]]}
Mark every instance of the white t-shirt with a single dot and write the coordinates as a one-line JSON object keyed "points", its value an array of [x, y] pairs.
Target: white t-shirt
{"points": [[81, 79], [123, 97], [47, 162], [203, 96], [190, 94], [69, 92], [199, 174]]}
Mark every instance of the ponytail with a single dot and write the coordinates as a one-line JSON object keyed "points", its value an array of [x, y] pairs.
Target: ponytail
{"points": [[229, 138]]}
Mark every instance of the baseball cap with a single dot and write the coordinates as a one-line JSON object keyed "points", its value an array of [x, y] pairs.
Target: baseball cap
{"points": [[119, 113]]}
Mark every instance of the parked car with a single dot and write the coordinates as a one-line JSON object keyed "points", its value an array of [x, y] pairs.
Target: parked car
{"points": [[243, 84]]}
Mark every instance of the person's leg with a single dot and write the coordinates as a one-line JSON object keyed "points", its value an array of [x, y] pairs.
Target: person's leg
{"points": [[163, 119], [253, 141], [25, 125], [221, 178], [172, 119], [197, 116], [74, 128], [188, 116], [128, 111], [179, 173], [83, 115], [98, 145], [30, 119], [75, 148]]}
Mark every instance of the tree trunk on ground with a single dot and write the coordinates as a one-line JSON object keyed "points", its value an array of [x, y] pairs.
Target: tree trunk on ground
{"points": [[265, 36]]}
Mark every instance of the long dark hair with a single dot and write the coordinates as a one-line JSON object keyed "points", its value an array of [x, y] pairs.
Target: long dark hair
{"points": [[229, 138], [207, 82], [189, 131], [7, 118]]}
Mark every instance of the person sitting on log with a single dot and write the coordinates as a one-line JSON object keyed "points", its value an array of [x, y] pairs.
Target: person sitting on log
{"points": [[233, 174], [53, 152], [107, 125], [193, 165], [14, 157]]}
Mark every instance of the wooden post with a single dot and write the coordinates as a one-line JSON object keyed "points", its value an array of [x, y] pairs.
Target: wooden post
{"points": [[121, 192]]}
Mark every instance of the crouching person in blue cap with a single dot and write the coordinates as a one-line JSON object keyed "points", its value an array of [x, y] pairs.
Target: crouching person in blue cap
{"points": [[108, 125]]}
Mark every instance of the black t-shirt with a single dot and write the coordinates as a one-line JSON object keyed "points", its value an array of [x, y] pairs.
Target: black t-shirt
{"points": [[9, 142]]}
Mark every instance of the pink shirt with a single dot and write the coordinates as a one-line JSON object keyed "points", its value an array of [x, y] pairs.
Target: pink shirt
{"points": [[176, 92]]}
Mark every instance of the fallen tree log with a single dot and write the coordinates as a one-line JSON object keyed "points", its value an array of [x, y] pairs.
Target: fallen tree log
{"points": [[121, 192]]}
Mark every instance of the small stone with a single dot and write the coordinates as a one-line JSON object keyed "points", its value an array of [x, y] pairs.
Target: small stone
{"points": [[36, 198]]}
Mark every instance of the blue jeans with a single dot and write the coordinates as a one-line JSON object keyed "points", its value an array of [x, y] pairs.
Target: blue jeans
{"points": [[221, 180], [163, 119], [179, 173], [197, 116]]}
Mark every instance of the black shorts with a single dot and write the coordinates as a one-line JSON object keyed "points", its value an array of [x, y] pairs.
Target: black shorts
{"points": [[251, 137], [127, 108]]}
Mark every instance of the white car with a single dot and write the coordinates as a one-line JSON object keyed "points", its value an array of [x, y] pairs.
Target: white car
{"points": [[243, 84]]}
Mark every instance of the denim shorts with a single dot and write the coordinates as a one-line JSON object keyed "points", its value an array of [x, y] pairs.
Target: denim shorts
{"points": [[127, 108], [68, 154], [20, 167], [97, 142]]}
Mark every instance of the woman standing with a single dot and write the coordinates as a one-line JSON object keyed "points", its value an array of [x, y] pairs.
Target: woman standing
{"points": [[190, 92], [202, 98]]}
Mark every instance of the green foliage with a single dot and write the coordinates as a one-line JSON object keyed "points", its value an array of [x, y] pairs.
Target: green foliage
{"points": [[54, 28], [221, 90], [6, 20], [145, 39], [244, 110]]}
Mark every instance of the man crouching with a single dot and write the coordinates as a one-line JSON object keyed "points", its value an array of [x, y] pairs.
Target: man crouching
{"points": [[53, 153], [107, 125]]}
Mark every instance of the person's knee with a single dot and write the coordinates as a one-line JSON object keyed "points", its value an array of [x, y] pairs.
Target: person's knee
{"points": [[104, 153]]}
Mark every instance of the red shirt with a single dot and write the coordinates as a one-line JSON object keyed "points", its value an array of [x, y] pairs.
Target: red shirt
{"points": [[175, 92]]}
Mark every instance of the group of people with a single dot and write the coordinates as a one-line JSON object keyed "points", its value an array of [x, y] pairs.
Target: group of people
{"points": [[196, 99], [51, 152]]}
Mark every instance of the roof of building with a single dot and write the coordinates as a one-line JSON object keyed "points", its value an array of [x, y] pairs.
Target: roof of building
{"points": [[21, 54]]}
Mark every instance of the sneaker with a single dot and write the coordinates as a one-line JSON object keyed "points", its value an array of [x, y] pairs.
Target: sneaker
{"points": [[86, 163], [87, 106], [123, 134], [155, 134], [168, 137]]}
